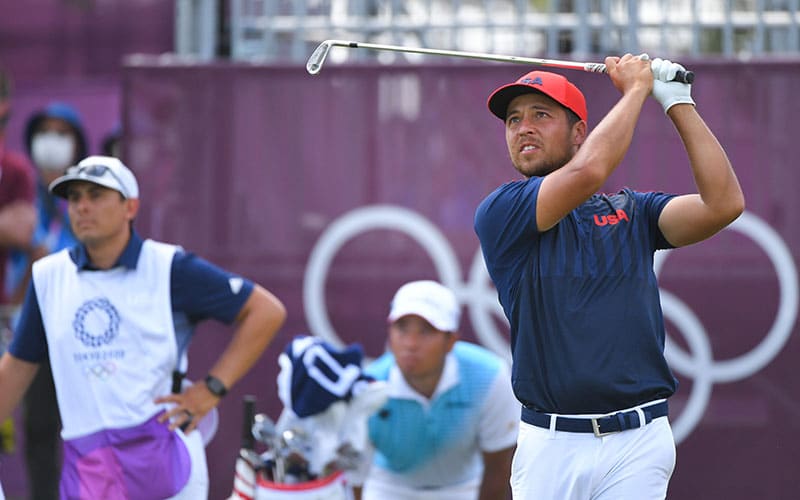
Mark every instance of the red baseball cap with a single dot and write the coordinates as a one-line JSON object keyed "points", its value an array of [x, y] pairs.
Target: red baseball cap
{"points": [[552, 85]]}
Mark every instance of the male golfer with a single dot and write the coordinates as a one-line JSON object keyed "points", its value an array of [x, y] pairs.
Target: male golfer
{"points": [[574, 274]]}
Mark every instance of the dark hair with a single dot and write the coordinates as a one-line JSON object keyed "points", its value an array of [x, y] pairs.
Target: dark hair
{"points": [[572, 117]]}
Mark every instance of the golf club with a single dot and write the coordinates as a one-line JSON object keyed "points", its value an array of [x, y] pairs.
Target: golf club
{"points": [[314, 64], [264, 431]]}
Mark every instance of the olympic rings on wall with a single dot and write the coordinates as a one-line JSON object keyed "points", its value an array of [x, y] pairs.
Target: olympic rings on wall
{"points": [[480, 297]]}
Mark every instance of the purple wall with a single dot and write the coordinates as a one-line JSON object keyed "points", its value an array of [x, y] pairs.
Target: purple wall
{"points": [[70, 40], [261, 170]]}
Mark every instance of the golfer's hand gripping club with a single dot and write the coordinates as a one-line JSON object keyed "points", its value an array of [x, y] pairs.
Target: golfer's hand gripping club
{"points": [[679, 75], [667, 90]]}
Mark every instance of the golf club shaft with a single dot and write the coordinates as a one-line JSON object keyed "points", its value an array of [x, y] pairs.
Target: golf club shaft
{"points": [[314, 64]]}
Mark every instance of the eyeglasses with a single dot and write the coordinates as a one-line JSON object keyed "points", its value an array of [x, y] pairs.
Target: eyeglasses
{"points": [[98, 171]]}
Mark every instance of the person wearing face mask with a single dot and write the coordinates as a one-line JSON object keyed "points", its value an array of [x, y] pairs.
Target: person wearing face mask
{"points": [[56, 140]]}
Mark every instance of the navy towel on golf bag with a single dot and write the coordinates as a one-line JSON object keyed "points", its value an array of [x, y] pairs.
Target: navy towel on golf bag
{"points": [[315, 374]]}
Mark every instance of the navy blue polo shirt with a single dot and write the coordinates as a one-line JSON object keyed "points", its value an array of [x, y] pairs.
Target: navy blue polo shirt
{"points": [[587, 330]]}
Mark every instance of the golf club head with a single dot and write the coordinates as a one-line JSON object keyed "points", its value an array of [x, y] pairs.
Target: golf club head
{"points": [[264, 429], [296, 440], [252, 459], [314, 64]]}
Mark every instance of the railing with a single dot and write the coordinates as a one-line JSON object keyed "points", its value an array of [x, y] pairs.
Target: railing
{"points": [[289, 30]]}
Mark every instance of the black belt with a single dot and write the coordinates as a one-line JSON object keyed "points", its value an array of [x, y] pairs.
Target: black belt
{"points": [[600, 426]]}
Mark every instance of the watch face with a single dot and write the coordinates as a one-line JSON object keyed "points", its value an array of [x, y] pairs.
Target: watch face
{"points": [[216, 386]]}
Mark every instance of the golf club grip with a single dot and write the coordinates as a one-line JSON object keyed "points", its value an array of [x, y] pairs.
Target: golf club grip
{"points": [[684, 76], [248, 415], [681, 76]]}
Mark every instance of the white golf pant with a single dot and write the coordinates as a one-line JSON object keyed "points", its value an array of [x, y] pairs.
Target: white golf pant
{"points": [[635, 464], [375, 490]]}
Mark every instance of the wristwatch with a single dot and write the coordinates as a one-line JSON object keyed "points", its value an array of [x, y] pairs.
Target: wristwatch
{"points": [[216, 386]]}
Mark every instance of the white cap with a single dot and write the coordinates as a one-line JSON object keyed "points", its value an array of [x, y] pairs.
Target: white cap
{"points": [[102, 170], [434, 302]]}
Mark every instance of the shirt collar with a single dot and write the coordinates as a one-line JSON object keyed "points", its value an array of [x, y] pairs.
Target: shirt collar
{"points": [[128, 258]]}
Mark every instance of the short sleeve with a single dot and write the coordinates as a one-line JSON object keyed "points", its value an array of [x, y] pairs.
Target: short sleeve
{"points": [[203, 290], [500, 414], [505, 223], [29, 342], [652, 203]]}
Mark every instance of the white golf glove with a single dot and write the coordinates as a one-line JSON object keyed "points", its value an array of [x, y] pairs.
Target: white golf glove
{"points": [[667, 92]]}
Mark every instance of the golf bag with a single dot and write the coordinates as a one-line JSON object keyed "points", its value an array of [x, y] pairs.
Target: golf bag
{"points": [[319, 446]]}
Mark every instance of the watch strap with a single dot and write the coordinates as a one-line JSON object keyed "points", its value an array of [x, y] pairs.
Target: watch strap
{"points": [[216, 386]]}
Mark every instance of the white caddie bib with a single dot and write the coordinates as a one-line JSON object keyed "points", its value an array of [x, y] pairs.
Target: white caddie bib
{"points": [[112, 334]]}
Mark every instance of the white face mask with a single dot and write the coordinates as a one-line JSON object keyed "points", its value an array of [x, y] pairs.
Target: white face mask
{"points": [[52, 151]]}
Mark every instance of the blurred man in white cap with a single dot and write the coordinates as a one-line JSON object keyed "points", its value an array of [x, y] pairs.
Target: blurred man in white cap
{"points": [[108, 313], [449, 428]]}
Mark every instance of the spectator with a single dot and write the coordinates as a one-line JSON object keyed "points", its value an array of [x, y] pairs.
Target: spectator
{"points": [[17, 222], [449, 427], [17, 192], [56, 139], [104, 311]]}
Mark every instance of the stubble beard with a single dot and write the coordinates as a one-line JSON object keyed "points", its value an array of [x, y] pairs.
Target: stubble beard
{"points": [[548, 165], [542, 168]]}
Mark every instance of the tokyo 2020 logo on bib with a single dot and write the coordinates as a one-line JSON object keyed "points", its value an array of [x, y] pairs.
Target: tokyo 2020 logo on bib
{"points": [[96, 323]]}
